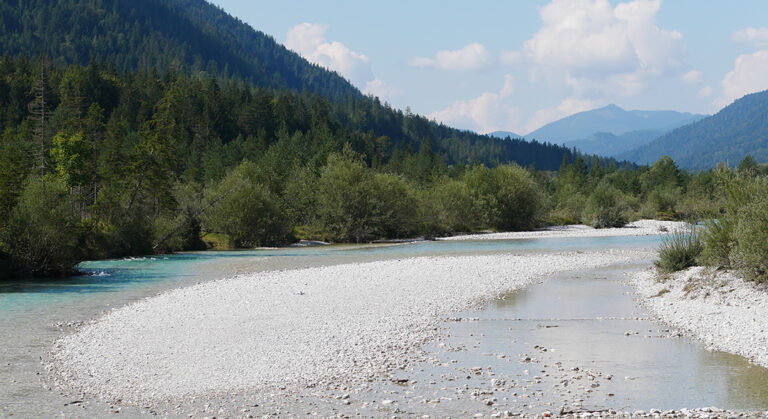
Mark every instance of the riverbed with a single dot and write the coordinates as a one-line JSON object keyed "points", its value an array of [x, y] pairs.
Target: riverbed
{"points": [[541, 348]]}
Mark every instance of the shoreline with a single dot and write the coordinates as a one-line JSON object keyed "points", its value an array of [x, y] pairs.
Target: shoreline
{"points": [[718, 308]]}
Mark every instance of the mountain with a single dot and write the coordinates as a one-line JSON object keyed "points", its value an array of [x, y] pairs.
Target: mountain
{"points": [[165, 39], [738, 130], [170, 35], [607, 144], [610, 119], [504, 134]]}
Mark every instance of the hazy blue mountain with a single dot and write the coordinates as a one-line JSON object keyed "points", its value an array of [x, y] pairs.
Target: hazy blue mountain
{"points": [[610, 119], [738, 130], [607, 144], [504, 134]]}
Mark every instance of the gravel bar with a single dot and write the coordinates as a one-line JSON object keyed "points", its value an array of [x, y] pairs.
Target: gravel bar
{"points": [[717, 307], [305, 327], [637, 228]]}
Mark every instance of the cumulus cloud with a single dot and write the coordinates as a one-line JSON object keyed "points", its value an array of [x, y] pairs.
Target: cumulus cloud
{"points": [[472, 57], [757, 36], [378, 87], [308, 40], [485, 113], [748, 76], [510, 57], [693, 77], [597, 49], [705, 92], [567, 107]]}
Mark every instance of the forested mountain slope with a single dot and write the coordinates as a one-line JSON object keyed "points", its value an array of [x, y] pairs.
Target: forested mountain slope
{"points": [[738, 130], [188, 35]]}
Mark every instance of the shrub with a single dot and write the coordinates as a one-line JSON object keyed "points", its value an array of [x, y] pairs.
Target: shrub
{"points": [[43, 231], [507, 197], [605, 207], [750, 250], [718, 242], [246, 211], [356, 205], [450, 207], [679, 251], [519, 199]]}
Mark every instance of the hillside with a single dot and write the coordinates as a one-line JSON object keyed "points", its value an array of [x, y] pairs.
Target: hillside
{"points": [[198, 39], [611, 119], [738, 130], [189, 35], [607, 144]]}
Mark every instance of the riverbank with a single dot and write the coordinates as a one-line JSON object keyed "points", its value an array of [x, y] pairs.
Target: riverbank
{"points": [[636, 228], [295, 328], [718, 308]]}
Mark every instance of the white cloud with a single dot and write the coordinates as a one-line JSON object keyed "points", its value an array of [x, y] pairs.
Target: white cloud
{"points": [[510, 57], [509, 86], [472, 57], [749, 75], [693, 77], [308, 40], [757, 36], [378, 87], [567, 107], [485, 113], [705, 92], [596, 49]]}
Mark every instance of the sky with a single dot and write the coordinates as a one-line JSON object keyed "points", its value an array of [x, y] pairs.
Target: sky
{"points": [[517, 65]]}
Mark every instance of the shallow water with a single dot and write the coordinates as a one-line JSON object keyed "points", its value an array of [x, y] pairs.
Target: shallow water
{"points": [[588, 321], [591, 315]]}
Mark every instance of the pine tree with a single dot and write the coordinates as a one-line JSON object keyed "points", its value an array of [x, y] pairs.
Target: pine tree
{"points": [[39, 111]]}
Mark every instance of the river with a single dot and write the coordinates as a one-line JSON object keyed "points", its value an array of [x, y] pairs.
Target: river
{"points": [[575, 341]]}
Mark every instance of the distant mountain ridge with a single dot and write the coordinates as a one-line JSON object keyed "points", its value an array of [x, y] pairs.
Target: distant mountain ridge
{"points": [[738, 130], [607, 144], [609, 119]]}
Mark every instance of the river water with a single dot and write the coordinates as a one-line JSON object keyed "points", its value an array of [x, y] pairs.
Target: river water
{"points": [[575, 341]]}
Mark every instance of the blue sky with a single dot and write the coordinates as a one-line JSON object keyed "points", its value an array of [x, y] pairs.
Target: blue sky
{"points": [[516, 65]]}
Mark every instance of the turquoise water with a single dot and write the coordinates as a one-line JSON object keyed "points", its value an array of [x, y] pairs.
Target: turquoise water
{"points": [[147, 273]]}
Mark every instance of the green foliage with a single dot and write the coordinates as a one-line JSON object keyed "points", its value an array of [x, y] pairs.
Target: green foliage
{"points": [[43, 232], [750, 250], [679, 250], [605, 207], [14, 168], [73, 156], [356, 205], [248, 213], [519, 199], [450, 207], [737, 238], [718, 238]]}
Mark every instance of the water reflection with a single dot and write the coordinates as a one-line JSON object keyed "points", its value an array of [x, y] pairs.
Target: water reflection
{"points": [[592, 323]]}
